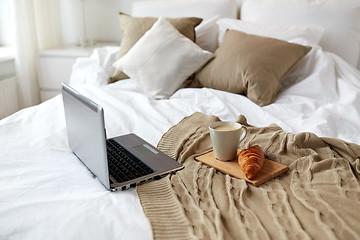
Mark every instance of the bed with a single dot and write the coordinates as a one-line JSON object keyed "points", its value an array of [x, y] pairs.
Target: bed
{"points": [[47, 193]]}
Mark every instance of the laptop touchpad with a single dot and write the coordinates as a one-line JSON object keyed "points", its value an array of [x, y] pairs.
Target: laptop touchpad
{"points": [[145, 150]]}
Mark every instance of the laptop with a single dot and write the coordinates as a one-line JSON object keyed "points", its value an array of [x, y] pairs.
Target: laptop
{"points": [[119, 163]]}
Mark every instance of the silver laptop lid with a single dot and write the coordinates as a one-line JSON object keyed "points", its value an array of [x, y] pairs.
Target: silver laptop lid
{"points": [[83, 115]]}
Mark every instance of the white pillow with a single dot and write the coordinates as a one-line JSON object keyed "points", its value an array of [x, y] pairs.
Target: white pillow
{"points": [[207, 34], [340, 20], [95, 69], [209, 10], [311, 34], [162, 60]]}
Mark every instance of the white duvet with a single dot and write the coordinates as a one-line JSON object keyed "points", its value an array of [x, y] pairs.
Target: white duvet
{"points": [[47, 193]]}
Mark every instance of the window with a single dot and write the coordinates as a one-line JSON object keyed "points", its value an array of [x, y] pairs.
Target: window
{"points": [[6, 32], [6, 28]]}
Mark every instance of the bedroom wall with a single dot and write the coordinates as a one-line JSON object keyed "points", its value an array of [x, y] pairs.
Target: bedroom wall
{"points": [[101, 22]]}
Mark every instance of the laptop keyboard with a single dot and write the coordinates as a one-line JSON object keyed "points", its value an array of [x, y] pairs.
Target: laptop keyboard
{"points": [[122, 165]]}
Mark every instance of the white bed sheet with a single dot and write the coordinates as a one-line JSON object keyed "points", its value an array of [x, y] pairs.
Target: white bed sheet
{"points": [[47, 193]]}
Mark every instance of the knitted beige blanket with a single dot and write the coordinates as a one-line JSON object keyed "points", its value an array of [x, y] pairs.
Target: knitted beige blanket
{"points": [[318, 198]]}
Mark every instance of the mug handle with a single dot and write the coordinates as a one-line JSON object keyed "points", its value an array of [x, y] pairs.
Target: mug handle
{"points": [[243, 135]]}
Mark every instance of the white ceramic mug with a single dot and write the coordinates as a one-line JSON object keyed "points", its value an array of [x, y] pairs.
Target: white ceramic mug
{"points": [[225, 138]]}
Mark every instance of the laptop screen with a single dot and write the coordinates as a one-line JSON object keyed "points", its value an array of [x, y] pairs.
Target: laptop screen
{"points": [[86, 132]]}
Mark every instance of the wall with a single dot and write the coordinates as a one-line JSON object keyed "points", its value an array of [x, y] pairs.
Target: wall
{"points": [[101, 22]]}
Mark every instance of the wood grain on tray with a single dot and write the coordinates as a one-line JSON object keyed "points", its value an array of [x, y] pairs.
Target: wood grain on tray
{"points": [[269, 170]]}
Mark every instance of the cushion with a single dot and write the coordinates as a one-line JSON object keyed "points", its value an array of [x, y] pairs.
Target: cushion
{"points": [[162, 60], [312, 34], [207, 33], [133, 28], [251, 65], [339, 18]]}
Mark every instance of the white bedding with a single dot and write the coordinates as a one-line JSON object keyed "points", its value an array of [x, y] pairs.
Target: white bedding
{"points": [[47, 193]]}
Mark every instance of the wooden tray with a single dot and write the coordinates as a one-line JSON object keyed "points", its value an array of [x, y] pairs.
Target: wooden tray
{"points": [[269, 170]]}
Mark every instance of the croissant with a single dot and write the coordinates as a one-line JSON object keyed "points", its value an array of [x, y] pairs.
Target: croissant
{"points": [[251, 160]]}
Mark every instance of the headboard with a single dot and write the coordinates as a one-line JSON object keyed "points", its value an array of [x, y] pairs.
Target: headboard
{"points": [[99, 20]]}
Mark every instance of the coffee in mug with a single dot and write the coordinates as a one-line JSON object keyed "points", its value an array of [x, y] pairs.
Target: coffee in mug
{"points": [[225, 128], [225, 138]]}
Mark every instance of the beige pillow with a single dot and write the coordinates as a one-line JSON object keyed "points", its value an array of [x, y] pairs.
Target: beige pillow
{"points": [[251, 65], [133, 28]]}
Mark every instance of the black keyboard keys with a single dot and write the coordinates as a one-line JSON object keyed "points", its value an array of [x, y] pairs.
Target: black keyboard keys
{"points": [[122, 165]]}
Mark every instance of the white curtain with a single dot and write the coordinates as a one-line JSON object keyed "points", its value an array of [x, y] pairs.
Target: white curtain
{"points": [[36, 26]]}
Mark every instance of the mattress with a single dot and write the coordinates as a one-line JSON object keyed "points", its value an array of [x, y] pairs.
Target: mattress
{"points": [[46, 192]]}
